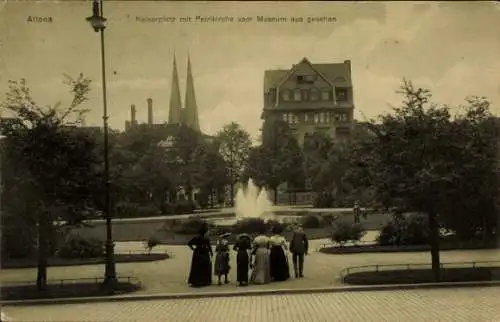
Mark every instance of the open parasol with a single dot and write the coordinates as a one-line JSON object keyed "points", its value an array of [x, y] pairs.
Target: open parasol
{"points": [[225, 235]]}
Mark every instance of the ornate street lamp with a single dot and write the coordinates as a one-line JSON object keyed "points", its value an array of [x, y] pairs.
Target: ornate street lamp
{"points": [[97, 22]]}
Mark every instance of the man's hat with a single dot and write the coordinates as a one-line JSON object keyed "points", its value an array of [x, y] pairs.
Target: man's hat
{"points": [[244, 236]]}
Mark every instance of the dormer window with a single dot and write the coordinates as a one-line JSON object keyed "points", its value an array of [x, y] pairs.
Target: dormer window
{"points": [[310, 78], [306, 79]]}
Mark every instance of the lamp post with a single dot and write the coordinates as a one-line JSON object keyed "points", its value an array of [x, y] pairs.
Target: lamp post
{"points": [[97, 22]]}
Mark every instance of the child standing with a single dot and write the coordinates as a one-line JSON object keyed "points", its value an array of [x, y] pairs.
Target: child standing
{"points": [[222, 258]]}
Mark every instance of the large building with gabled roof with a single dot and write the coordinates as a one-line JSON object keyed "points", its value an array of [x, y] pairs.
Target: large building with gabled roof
{"points": [[311, 98]]}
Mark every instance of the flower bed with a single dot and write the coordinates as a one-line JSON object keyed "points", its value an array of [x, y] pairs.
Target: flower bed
{"points": [[420, 276]]}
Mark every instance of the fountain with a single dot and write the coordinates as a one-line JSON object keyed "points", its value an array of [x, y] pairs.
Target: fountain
{"points": [[252, 202]]}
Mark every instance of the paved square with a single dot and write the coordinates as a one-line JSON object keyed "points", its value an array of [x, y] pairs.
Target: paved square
{"points": [[454, 305]]}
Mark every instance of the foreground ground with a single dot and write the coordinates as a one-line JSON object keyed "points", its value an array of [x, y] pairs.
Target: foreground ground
{"points": [[466, 304], [170, 275]]}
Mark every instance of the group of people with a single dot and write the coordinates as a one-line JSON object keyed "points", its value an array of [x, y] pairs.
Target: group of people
{"points": [[258, 261]]}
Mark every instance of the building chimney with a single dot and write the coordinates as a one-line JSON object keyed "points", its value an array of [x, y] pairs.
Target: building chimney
{"points": [[132, 114], [150, 111]]}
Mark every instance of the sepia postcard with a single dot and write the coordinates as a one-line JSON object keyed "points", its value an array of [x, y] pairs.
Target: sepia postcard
{"points": [[249, 160]]}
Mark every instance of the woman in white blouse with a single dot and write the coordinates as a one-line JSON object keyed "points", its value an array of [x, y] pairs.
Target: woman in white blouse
{"points": [[261, 273], [280, 270]]}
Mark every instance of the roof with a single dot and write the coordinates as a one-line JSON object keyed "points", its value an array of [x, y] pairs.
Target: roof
{"points": [[335, 72]]}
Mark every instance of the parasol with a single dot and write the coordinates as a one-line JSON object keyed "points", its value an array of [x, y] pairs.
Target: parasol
{"points": [[225, 235]]}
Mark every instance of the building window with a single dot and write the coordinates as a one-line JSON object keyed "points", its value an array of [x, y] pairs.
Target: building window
{"points": [[325, 95], [341, 94], [290, 118], [309, 79], [297, 95], [316, 118], [305, 94], [272, 94], [314, 94], [286, 95], [306, 79], [322, 117], [306, 117], [341, 117]]}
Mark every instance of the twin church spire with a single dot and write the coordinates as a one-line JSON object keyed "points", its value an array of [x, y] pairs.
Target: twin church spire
{"points": [[189, 114]]}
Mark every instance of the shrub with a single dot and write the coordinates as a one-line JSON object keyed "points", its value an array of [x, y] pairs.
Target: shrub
{"points": [[126, 209], [151, 242], [323, 201], [130, 210], [311, 221], [344, 232], [250, 226], [190, 226], [80, 247], [409, 230], [167, 208], [328, 219], [147, 211], [184, 207]]}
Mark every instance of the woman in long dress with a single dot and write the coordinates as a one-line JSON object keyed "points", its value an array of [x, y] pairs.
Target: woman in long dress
{"points": [[280, 270], [201, 263], [242, 247], [221, 267], [261, 273]]}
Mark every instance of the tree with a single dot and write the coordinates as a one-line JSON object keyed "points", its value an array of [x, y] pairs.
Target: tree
{"points": [[413, 158], [211, 177], [473, 201], [277, 159], [56, 157], [234, 147], [182, 157]]}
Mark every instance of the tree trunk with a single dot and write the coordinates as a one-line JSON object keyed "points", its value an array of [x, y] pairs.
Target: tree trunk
{"points": [[275, 193], [434, 243], [231, 192], [41, 278]]}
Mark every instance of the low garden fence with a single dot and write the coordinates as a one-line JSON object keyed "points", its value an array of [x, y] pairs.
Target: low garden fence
{"points": [[413, 266], [72, 281], [334, 244]]}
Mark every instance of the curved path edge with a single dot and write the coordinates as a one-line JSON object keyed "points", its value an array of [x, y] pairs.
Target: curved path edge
{"points": [[179, 296]]}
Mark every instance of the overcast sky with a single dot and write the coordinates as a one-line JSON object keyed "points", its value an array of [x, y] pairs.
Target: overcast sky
{"points": [[451, 48]]}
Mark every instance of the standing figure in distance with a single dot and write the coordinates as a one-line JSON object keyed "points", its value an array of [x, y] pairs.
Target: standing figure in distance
{"points": [[261, 268], [201, 263], [242, 246], [357, 212], [222, 258], [280, 270], [299, 246]]}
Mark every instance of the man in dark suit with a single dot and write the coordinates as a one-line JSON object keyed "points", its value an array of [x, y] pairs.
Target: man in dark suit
{"points": [[299, 247]]}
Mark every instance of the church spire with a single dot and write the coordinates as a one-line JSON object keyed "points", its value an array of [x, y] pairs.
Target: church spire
{"points": [[174, 114], [191, 109]]}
